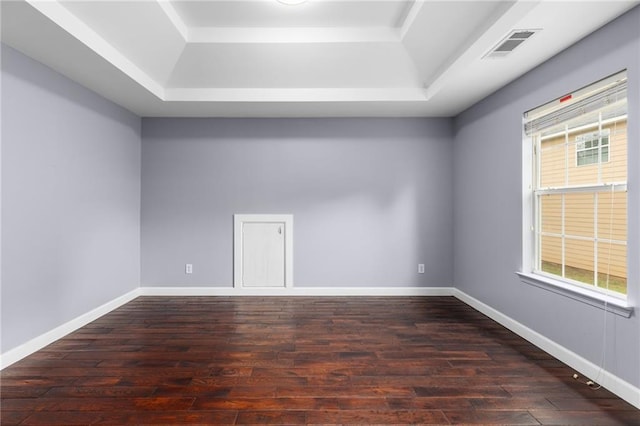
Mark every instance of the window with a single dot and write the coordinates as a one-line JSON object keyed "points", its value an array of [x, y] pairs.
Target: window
{"points": [[579, 187], [592, 148]]}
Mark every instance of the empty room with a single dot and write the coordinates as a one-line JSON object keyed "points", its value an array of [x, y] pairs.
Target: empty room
{"points": [[320, 212]]}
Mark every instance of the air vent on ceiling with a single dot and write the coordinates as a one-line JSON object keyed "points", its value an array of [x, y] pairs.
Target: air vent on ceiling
{"points": [[514, 39]]}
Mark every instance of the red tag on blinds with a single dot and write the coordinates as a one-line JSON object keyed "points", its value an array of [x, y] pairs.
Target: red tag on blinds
{"points": [[565, 98]]}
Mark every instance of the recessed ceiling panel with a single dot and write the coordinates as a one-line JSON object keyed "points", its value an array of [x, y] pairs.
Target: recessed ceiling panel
{"points": [[271, 13], [442, 30], [345, 65], [33, 34], [140, 30]]}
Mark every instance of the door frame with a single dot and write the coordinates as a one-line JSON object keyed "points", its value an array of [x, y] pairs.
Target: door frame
{"points": [[238, 222]]}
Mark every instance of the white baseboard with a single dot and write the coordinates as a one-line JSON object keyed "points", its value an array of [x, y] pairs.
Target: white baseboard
{"points": [[16, 354], [297, 291], [586, 368]]}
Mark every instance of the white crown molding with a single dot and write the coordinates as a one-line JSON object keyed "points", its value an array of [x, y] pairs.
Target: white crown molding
{"points": [[280, 94], [175, 18], [410, 18]]}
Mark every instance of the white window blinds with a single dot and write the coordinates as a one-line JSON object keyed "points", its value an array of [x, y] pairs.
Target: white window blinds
{"points": [[606, 97]]}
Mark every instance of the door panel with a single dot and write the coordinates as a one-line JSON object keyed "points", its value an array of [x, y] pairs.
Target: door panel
{"points": [[263, 254]]}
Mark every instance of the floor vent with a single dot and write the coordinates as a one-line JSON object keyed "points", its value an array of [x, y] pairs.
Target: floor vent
{"points": [[509, 43]]}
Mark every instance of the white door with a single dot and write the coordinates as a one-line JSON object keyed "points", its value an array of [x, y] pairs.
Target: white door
{"points": [[263, 250], [263, 254]]}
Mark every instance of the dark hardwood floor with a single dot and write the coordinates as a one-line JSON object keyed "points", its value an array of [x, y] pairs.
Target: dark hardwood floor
{"points": [[217, 360]]}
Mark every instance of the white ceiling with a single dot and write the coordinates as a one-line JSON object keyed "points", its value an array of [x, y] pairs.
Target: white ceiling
{"points": [[322, 58]]}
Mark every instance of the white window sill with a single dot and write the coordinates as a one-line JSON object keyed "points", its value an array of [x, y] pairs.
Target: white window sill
{"points": [[599, 300]]}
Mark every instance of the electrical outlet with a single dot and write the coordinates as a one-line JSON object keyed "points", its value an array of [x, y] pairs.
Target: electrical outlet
{"points": [[188, 268], [421, 268]]}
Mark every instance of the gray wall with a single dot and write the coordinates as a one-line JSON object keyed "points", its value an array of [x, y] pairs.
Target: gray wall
{"points": [[488, 200], [371, 198], [70, 200]]}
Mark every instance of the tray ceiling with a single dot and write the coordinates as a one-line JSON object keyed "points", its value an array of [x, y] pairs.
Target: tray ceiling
{"points": [[321, 58]]}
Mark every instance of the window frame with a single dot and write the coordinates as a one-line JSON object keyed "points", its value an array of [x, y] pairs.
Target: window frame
{"points": [[530, 272]]}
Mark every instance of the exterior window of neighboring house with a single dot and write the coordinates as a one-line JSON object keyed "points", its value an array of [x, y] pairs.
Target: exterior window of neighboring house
{"points": [[579, 188], [592, 148]]}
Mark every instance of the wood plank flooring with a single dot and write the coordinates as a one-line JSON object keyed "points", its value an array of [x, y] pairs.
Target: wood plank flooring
{"points": [[301, 360]]}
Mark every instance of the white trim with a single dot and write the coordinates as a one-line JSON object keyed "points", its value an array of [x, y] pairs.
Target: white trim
{"points": [[598, 298], [296, 291], [238, 222], [601, 187], [175, 18], [16, 354], [410, 18], [290, 94], [529, 243], [615, 384]]}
